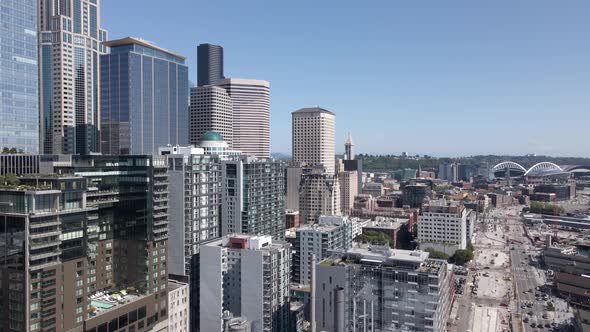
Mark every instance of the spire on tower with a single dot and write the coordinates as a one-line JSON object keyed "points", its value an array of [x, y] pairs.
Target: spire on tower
{"points": [[348, 140], [348, 148]]}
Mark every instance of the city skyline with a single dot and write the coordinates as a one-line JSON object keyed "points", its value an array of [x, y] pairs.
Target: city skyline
{"points": [[148, 197], [409, 67]]}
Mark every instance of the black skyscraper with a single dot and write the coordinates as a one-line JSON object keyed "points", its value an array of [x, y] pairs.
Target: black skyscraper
{"points": [[209, 64]]}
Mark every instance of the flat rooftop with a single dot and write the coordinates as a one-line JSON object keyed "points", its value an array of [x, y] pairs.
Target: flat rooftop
{"points": [[386, 223], [383, 255], [141, 42]]}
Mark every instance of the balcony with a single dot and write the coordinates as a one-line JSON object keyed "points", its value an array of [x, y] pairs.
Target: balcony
{"points": [[45, 234], [34, 225], [41, 245], [160, 222], [36, 257]]}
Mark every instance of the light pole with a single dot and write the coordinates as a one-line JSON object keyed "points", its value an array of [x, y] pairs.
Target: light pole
{"points": [[9, 204]]}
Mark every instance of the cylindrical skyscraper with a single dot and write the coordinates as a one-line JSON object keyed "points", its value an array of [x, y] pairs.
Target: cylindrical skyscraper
{"points": [[313, 138]]}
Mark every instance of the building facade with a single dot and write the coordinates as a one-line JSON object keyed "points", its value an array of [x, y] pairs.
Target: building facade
{"points": [[293, 180], [313, 139], [413, 195], [442, 226], [195, 204], [80, 270], [19, 164], [249, 277], [39, 224], [210, 110], [251, 115], [319, 240], [319, 195], [19, 110], [348, 190], [128, 235], [70, 44], [382, 290], [178, 306], [252, 197], [209, 64], [144, 98]]}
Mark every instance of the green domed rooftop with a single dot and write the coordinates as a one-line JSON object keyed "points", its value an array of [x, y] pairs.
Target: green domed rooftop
{"points": [[212, 136]]}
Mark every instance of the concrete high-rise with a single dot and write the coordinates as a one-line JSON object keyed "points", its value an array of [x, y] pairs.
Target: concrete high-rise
{"points": [[209, 64], [380, 289], [328, 234], [210, 110], [70, 43], [252, 199], [348, 190], [251, 115], [313, 138], [195, 204], [249, 277], [19, 110], [319, 195], [144, 98], [442, 226]]}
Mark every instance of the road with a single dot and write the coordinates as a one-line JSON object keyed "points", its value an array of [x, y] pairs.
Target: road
{"points": [[526, 278]]}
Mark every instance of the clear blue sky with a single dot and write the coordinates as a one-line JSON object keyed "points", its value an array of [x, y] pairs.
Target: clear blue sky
{"points": [[446, 78]]}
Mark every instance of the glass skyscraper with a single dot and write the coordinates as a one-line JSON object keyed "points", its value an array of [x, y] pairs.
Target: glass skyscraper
{"points": [[19, 114], [209, 64], [144, 98], [70, 43]]}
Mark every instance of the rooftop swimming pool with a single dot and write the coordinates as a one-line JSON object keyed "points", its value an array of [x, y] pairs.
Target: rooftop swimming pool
{"points": [[102, 305]]}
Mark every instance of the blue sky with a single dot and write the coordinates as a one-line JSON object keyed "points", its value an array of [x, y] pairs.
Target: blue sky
{"points": [[445, 78]]}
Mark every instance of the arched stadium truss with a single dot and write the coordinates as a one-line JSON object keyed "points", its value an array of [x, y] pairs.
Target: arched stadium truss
{"points": [[537, 169]]}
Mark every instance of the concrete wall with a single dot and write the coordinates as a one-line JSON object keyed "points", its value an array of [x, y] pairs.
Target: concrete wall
{"points": [[252, 290], [211, 300]]}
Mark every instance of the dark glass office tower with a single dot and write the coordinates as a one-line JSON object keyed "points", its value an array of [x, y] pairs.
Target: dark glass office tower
{"points": [[209, 64], [144, 98], [85, 248]]}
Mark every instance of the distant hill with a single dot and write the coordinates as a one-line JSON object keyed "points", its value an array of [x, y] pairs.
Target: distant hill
{"points": [[280, 156], [391, 162]]}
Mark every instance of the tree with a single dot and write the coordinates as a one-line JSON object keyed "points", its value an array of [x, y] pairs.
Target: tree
{"points": [[375, 238], [5, 150], [9, 180], [462, 256], [436, 254]]}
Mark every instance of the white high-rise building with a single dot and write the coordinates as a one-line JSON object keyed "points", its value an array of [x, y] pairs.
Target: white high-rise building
{"points": [[314, 137], [442, 226], [247, 276], [251, 115], [70, 43], [178, 306], [210, 110], [319, 195]]}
